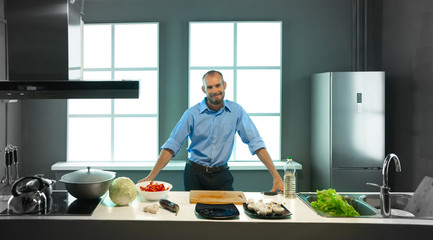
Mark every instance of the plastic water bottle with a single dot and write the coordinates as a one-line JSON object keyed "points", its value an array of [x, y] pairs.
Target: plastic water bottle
{"points": [[289, 179]]}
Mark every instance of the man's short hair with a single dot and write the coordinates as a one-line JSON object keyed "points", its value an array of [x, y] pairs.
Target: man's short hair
{"points": [[212, 72]]}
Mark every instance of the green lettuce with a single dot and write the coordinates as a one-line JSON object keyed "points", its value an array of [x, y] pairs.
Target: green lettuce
{"points": [[330, 202]]}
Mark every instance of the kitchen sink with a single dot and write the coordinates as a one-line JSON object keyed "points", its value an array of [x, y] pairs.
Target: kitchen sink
{"points": [[364, 209], [367, 205], [398, 201]]}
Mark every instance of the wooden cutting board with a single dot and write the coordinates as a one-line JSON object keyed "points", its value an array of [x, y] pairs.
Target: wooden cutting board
{"points": [[216, 197]]}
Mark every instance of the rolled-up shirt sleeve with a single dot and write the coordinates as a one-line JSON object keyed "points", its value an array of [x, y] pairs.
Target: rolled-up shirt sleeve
{"points": [[249, 133], [179, 134]]}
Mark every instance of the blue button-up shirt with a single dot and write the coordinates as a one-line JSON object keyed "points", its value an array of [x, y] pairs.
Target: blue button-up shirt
{"points": [[212, 133]]}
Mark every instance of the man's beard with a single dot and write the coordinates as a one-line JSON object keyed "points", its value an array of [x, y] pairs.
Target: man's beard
{"points": [[216, 102]]}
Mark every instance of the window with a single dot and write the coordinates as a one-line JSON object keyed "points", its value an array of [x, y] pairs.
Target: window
{"points": [[249, 56], [117, 129]]}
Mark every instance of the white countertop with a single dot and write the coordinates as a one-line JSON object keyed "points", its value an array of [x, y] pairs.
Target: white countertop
{"points": [[131, 222], [301, 213]]}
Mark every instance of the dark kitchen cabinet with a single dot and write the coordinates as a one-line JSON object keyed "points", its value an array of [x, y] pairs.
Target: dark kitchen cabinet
{"points": [[3, 49]]}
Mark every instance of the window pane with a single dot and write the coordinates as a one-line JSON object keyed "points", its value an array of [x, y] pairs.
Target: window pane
{"points": [[89, 106], [133, 50], [89, 139], [147, 102], [253, 81], [196, 94], [97, 46], [136, 45], [97, 75], [259, 90], [211, 44], [259, 44], [135, 139], [269, 129]]}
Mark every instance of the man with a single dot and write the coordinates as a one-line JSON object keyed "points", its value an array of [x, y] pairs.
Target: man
{"points": [[211, 126]]}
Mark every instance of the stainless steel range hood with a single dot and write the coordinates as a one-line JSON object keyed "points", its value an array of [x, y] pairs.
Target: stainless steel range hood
{"points": [[68, 89]]}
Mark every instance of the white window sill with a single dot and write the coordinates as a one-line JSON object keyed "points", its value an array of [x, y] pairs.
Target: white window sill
{"points": [[174, 165]]}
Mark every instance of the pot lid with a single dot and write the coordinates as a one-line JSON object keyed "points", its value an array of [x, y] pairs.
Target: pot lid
{"points": [[88, 176]]}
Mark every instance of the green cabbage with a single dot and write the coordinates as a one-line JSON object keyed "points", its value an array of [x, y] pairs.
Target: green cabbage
{"points": [[122, 191], [329, 201]]}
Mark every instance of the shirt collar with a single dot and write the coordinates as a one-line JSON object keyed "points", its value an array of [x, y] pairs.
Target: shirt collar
{"points": [[204, 107]]}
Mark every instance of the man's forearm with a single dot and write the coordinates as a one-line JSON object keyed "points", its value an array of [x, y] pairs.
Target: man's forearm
{"points": [[264, 156], [163, 159], [267, 161]]}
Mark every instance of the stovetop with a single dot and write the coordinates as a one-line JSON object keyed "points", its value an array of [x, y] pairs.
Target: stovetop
{"points": [[63, 204]]}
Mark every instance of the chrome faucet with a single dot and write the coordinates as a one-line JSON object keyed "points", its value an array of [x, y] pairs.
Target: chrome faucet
{"points": [[386, 166], [385, 196]]}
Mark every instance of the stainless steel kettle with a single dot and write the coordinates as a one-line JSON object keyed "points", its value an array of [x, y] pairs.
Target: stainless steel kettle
{"points": [[48, 185], [27, 199]]}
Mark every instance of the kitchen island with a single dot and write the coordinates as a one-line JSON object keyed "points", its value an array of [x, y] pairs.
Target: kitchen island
{"points": [[131, 222]]}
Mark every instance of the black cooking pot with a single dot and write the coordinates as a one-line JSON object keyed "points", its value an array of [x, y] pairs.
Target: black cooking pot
{"points": [[87, 184]]}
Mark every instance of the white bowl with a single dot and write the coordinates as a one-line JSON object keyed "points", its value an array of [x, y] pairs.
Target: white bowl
{"points": [[153, 196]]}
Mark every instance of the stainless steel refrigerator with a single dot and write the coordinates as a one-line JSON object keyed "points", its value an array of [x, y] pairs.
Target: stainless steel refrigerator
{"points": [[348, 130]]}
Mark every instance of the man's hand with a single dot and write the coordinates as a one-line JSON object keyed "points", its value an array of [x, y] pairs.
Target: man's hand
{"points": [[145, 179], [263, 155], [163, 159], [278, 184]]}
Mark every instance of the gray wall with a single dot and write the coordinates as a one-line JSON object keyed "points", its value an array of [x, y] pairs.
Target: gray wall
{"points": [[317, 37], [9, 112], [408, 63], [37, 50]]}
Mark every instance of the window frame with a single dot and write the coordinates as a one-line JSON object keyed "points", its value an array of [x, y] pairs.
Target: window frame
{"points": [[112, 115], [235, 68]]}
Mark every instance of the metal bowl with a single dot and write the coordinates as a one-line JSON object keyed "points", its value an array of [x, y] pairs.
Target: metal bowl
{"points": [[88, 183]]}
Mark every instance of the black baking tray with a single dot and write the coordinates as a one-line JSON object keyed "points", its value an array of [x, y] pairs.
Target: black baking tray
{"points": [[217, 211], [285, 214]]}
